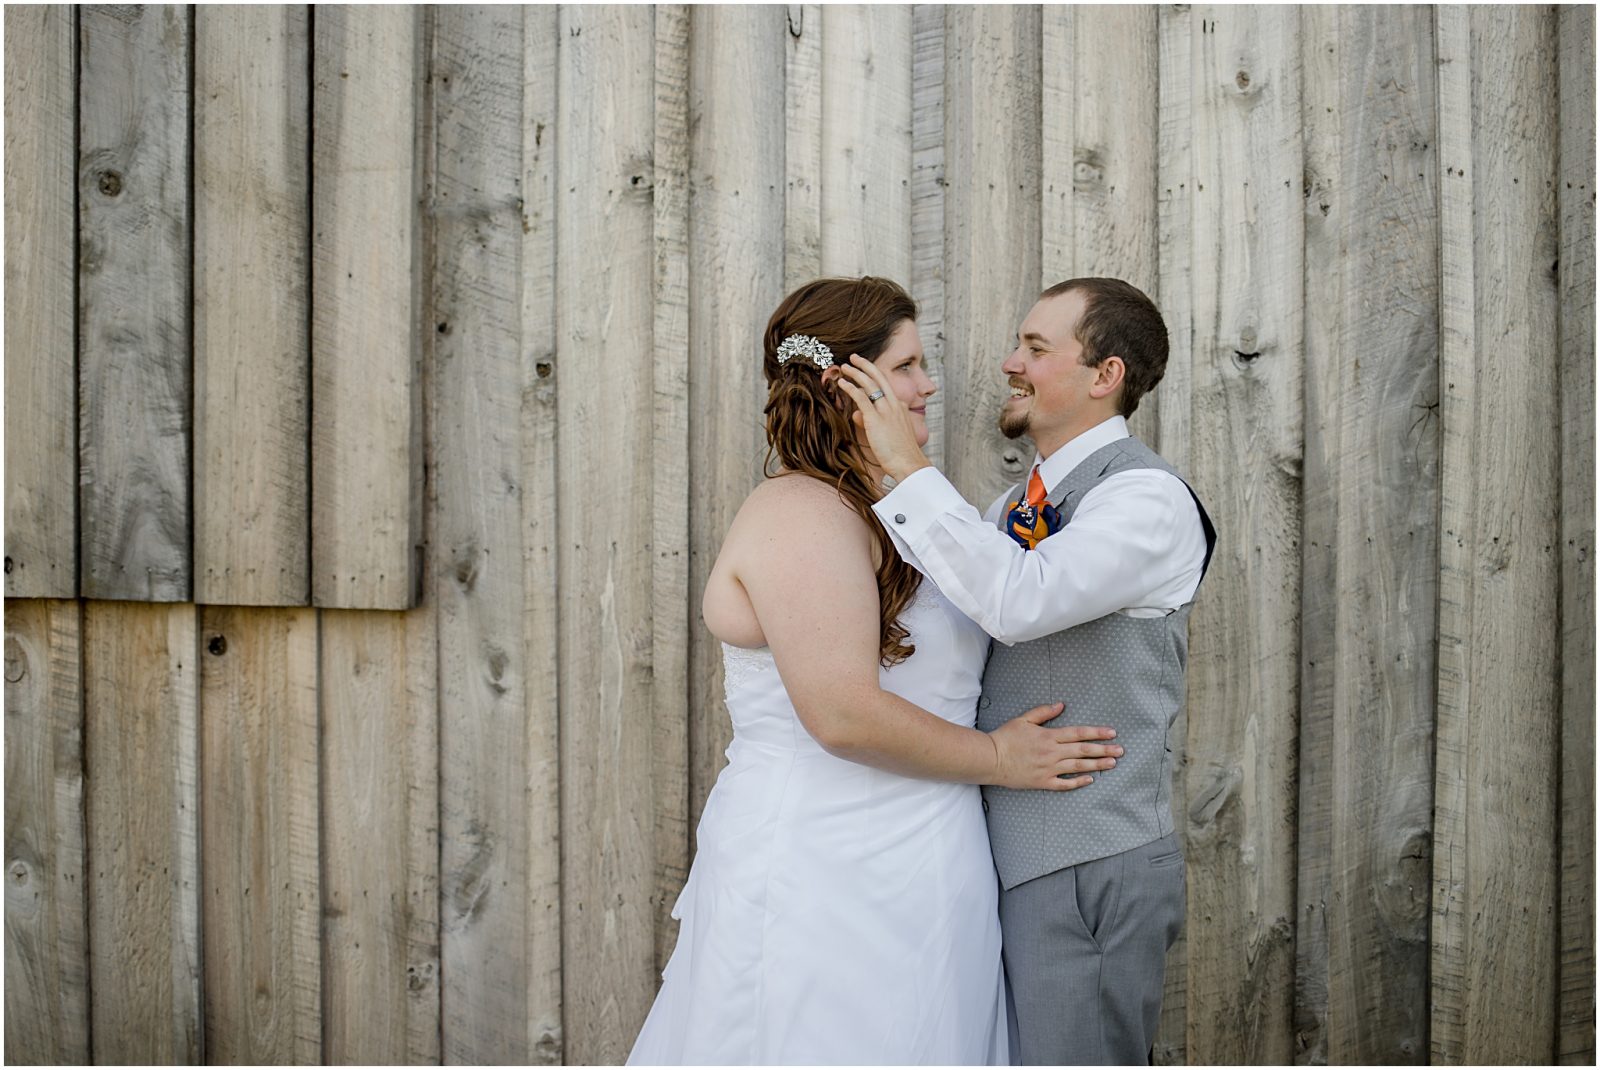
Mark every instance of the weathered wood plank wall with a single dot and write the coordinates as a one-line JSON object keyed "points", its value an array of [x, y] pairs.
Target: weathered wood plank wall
{"points": [[416, 745]]}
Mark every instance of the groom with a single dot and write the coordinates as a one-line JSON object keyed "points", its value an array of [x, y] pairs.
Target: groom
{"points": [[1085, 573]]}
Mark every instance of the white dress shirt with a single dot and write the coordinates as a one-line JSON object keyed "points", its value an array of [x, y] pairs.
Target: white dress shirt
{"points": [[1134, 545]]}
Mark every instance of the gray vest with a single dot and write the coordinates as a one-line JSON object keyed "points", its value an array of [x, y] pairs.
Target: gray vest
{"points": [[1122, 671]]}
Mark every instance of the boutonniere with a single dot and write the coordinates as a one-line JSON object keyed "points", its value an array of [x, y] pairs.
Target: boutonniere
{"points": [[1030, 525]]}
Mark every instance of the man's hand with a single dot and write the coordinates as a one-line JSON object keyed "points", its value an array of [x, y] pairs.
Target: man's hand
{"points": [[885, 419], [1028, 755]]}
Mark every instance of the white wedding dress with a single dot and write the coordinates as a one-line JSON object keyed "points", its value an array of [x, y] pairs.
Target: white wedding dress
{"points": [[836, 913]]}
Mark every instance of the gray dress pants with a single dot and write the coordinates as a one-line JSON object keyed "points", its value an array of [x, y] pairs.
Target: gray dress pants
{"points": [[1085, 954]]}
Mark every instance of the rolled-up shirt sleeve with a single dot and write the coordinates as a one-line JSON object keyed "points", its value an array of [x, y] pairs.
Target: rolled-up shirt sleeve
{"points": [[1134, 543]]}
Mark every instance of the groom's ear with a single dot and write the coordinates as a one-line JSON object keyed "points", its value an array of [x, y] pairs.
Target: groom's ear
{"points": [[1108, 379]]}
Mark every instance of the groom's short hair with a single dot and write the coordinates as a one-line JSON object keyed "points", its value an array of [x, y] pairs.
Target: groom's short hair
{"points": [[1119, 320]]}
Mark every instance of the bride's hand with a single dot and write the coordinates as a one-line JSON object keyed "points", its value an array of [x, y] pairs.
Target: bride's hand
{"points": [[1028, 755]]}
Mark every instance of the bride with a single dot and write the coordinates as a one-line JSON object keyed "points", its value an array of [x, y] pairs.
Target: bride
{"points": [[842, 905]]}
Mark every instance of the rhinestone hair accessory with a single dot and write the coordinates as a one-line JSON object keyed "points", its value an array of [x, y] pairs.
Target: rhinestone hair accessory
{"points": [[803, 345]]}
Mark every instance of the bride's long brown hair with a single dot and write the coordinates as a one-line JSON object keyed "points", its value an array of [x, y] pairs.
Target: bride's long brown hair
{"points": [[809, 429]]}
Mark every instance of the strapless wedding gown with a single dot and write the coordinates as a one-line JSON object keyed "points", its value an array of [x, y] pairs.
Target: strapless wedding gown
{"points": [[836, 913]]}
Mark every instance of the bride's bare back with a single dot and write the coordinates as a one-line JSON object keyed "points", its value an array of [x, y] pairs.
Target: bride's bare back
{"points": [[754, 549]]}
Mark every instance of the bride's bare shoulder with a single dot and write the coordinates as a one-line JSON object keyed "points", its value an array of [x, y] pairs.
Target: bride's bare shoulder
{"points": [[792, 495], [790, 503]]}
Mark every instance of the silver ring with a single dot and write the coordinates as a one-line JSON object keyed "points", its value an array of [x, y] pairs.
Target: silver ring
{"points": [[875, 395]]}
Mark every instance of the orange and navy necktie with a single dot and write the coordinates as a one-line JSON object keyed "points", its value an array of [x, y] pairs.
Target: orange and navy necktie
{"points": [[1031, 518]]}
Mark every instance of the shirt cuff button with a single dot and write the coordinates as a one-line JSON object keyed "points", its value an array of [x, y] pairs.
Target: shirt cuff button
{"points": [[899, 518]]}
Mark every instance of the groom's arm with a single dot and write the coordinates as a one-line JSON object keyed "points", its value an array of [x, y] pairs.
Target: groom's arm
{"points": [[1134, 543]]}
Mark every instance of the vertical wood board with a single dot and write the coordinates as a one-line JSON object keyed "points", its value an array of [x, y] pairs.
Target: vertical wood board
{"points": [[1372, 458], [141, 696], [40, 266], [1495, 914], [604, 341], [477, 377], [1174, 240], [541, 504], [671, 600], [261, 908], [866, 140], [1576, 200], [365, 476], [47, 905], [802, 133], [251, 288], [380, 837], [1245, 464], [134, 230], [927, 204]]}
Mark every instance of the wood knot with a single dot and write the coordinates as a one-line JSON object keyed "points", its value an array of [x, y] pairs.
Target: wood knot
{"points": [[1242, 79], [218, 645], [110, 183]]}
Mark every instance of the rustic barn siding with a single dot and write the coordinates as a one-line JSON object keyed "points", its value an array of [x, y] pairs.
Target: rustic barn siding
{"points": [[416, 752], [40, 276], [251, 292], [1495, 832], [365, 505], [47, 905], [141, 672], [133, 303], [1575, 200], [1371, 540], [478, 375]]}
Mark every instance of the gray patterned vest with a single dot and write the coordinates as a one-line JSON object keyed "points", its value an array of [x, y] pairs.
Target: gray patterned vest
{"points": [[1122, 671]]}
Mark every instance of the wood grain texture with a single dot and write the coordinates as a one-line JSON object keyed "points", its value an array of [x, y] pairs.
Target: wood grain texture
{"points": [[141, 710], [1098, 155], [366, 467], [1174, 243], [604, 335], [1371, 540], [133, 303], [992, 233], [927, 204], [478, 376], [47, 905], [866, 140], [541, 537], [1322, 106], [380, 837], [1447, 943], [736, 255], [802, 103], [251, 282], [41, 377], [1245, 464], [258, 827], [1575, 201], [1495, 900], [671, 601]]}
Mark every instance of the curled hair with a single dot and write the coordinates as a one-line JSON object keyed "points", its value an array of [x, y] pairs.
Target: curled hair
{"points": [[809, 429]]}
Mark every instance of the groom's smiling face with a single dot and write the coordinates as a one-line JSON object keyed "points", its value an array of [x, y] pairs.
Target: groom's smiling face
{"points": [[1049, 381]]}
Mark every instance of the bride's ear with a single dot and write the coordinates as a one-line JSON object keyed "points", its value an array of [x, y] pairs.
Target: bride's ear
{"points": [[830, 387]]}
